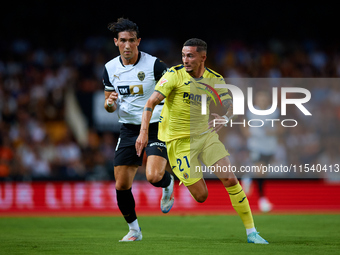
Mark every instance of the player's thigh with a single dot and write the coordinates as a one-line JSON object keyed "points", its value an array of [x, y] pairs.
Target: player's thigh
{"points": [[199, 190], [127, 156], [155, 167], [224, 173], [213, 149], [124, 176], [215, 154], [183, 161], [156, 159]]}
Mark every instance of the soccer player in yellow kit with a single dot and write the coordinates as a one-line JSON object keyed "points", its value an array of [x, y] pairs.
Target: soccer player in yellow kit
{"points": [[189, 137]]}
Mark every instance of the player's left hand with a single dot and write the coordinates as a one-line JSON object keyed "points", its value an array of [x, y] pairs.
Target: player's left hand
{"points": [[217, 123], [141, 142]]}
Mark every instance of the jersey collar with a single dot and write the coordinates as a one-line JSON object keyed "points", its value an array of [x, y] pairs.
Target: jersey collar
{"points": [[121, 61]]}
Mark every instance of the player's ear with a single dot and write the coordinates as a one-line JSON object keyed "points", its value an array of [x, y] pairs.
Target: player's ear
{"points": [[138, 41], [204, 56], [115, 40]]}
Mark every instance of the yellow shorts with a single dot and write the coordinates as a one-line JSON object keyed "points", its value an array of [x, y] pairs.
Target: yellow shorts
{"points": [[185, 155]]}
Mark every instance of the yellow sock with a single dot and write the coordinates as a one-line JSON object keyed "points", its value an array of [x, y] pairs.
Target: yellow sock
{"points": [[241, 205]]}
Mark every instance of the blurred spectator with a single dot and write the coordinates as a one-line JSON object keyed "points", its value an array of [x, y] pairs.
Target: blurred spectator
{"points": [[107, 150], [330, 157], [6, 157], [69, 158]]}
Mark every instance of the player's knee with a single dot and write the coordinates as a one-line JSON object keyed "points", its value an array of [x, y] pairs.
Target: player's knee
{"points": [[200, 198], [153, 178], [122, 186], [228, 182]]}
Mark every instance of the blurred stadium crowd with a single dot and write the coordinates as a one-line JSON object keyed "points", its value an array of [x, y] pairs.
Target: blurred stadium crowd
{"points": [[36, 142]]}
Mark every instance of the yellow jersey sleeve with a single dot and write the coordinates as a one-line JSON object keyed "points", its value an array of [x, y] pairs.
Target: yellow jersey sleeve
{"points": [[223, 93], [167, 83]]}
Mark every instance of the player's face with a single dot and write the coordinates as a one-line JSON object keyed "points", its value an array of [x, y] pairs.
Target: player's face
{"points": [[192, 60], [127, 43]]}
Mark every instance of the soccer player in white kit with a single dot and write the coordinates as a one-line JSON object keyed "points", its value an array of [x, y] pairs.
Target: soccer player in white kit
{"points": [[129, 81], [262, 143]]}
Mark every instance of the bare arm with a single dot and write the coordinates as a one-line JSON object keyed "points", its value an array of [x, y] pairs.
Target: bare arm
{"points": [[143, 137], [111, 98], [228, 106], [217, 125]]}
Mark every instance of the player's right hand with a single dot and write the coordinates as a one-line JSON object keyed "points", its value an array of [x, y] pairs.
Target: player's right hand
{"points": [[112, 98], [141, 142]]}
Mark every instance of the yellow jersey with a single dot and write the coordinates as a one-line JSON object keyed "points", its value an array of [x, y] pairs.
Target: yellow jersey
{"points": [[181, 115]]}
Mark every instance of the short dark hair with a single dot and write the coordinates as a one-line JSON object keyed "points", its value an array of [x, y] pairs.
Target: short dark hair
{"points": [[123, 25], [200, 44]]}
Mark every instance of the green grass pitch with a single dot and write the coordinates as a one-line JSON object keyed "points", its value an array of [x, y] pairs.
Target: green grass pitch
{"points": [[175, 235]]}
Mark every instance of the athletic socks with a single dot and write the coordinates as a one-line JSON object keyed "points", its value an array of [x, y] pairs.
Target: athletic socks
{"points": [[241, 205], [250, 230], [260, 183], [134, 225], [164, 182], [126, 204]]}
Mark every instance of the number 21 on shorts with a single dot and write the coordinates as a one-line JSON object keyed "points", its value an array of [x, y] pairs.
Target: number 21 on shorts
{"points": [[179, 163]]}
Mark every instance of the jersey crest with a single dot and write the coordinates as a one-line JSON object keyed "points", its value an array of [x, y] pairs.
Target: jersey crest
{"points": [[141, 76]]}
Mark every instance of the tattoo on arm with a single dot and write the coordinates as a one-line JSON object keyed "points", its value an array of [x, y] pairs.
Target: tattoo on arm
{"points": [[148, 109], [158, 99], [227, 103]]}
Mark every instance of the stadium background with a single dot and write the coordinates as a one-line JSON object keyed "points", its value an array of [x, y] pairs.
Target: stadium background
{"points": [[57, 143]]}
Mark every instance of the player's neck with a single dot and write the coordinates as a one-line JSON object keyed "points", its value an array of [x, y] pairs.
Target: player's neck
{"points": [[199, 73], [130, 61]]}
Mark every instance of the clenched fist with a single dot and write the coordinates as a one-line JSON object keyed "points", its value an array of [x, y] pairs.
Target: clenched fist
{"points": [[110, 101]]}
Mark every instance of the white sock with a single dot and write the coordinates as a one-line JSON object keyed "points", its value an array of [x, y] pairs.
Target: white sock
{"points": [[166, 192], [134, 225], [250, 230]]}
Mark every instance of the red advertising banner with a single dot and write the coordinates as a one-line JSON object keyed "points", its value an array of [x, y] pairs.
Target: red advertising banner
{"points": [[100, 197]]}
